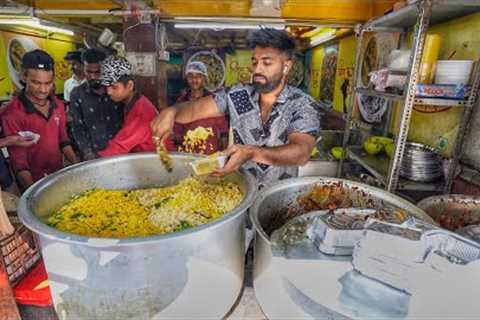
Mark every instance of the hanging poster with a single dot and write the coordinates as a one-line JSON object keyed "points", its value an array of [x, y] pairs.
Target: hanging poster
{"points": [[343, 79], [215, 68], [297, 73], [327, 79], [12, 48], [238, 67]]}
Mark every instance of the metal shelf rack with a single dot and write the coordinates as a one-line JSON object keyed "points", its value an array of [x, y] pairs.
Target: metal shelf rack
{"points": [[415, 17], [379, 94], [377, 166]]}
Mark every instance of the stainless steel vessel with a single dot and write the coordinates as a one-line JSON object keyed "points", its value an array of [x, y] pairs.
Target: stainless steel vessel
{"points": [[452, 211], [196, 273], [308, 284]]}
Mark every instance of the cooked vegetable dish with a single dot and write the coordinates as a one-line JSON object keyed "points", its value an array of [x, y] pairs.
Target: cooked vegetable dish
{"points": [[144, 212]]}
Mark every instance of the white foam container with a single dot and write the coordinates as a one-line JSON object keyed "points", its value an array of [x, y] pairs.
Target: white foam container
{"points": [[453, 71]]}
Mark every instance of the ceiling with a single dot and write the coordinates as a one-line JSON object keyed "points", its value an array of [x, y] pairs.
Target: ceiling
{"points": [[93, 16], [349, 11]]}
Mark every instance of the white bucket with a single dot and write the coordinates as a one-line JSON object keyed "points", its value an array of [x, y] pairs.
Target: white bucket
{"points": [[453, 71]]}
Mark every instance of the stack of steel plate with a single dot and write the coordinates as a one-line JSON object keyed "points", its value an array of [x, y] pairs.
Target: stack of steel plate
{"points": [[420, 163]]}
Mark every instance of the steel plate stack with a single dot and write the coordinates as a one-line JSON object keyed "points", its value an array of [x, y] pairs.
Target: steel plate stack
{"points": [[421, 163]]}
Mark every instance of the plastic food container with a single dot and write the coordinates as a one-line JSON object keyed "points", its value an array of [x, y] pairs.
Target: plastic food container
{"points": [[471, 232], [453, 71], [336, 234], [209, 164]]}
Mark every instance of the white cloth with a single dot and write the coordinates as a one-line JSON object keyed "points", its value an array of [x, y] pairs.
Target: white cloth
{"points": [[68, 87]]}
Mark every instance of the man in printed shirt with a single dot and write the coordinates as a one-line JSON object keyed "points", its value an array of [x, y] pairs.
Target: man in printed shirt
{"points": [[135, 134], [274, 125], [95, 117], [196, 75], [37, 110]]}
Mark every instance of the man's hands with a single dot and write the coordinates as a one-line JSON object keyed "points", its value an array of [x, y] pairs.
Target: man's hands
{"points": [[70, 154], [295, 153], [89, 156], [239, 154], [18, 141], [25, 179], [162, 125]]}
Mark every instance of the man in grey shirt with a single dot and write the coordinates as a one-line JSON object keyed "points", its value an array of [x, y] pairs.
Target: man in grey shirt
{"points": [[274, 125]]}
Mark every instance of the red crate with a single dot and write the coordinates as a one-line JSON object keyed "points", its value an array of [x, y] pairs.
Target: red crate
{"points": [[19, 252]]}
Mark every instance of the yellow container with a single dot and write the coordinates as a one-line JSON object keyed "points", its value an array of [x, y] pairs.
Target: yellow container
{"points": [[431, 50]]}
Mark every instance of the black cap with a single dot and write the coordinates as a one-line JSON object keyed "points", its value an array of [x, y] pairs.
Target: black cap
{"points": [[74, 56], [37, 59]]}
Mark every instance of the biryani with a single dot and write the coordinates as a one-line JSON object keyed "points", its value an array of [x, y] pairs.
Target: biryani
{"points": [[144, 212], [195, 141]]}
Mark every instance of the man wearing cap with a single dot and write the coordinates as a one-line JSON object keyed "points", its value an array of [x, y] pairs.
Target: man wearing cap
{"points": [[37, 111], [95, 117], [77, 78], [197, 76], [274, 124], [135, 134]]}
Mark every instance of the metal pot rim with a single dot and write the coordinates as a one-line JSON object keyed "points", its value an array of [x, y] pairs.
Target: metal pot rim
{"points": [[32, 222], [427, 202], [300, 181]]}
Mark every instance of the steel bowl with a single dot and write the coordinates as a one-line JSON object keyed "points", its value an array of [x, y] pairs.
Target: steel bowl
{"points": [[452, 211], [195, 273]]}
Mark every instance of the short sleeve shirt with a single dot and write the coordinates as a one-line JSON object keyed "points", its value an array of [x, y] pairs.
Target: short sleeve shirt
{"points": [[44, 157], [69, 85], [293, 112], [135, 134], [95, 119]]}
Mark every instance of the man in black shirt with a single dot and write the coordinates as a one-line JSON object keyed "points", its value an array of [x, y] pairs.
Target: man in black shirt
{"points": [[95, 117]]}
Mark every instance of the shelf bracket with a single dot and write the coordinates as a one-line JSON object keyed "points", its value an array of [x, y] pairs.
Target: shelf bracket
{"points": [[420, 31]]}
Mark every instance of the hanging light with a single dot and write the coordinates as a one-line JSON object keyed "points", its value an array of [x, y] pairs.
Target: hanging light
{"points": [[323, 37], [221, 26], [35, 23]]}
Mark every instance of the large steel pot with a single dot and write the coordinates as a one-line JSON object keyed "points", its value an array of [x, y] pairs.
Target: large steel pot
{"points": [[196, 273], [306, 285], [452, 211]]}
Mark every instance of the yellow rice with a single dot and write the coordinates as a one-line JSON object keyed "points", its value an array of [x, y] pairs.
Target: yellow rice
{"points": [[134, 213], [195, 140]]}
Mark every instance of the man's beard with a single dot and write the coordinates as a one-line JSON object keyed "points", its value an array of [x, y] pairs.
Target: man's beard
{"points": [[269, 85], [95, 84]]}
